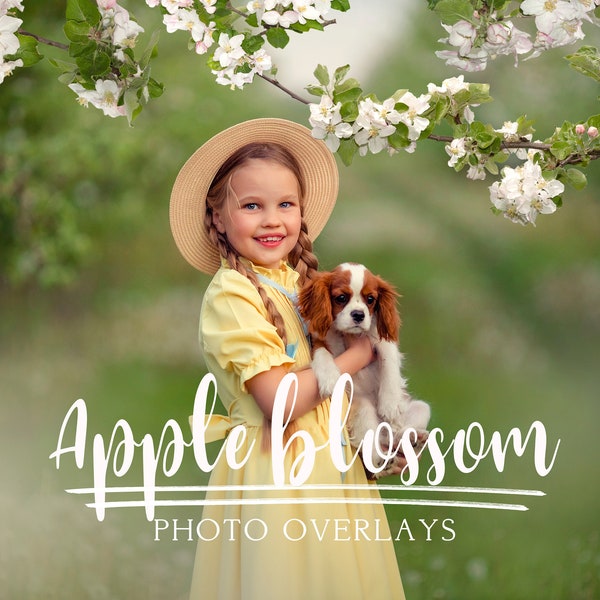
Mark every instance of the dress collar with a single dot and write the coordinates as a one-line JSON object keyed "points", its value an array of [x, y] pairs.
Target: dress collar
{"points": [[285, 275]]}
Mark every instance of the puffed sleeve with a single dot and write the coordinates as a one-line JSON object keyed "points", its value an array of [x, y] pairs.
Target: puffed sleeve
{"points": [[235, 330]]}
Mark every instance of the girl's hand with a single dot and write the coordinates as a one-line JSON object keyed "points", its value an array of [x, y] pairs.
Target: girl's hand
{"points": [[361, 348]]}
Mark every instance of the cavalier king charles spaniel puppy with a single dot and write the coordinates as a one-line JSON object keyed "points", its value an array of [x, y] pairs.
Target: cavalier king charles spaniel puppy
{"points": [[350, 300]]}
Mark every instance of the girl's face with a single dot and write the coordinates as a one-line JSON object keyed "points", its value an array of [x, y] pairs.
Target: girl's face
{"points": [[262, 220]]}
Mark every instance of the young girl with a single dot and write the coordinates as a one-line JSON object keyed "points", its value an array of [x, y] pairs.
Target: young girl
{"points": [[246, 207]]}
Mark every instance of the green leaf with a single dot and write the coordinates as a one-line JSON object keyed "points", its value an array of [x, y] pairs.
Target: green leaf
{"points": [[347, 91], [252, 20], [561, 149], [399, 139], [254, 42], [349, 112], [277, 37], [304, 27], [84, 11], [587, 61], [341, 5], [155, 89], [575, 178], [151, 50], [94, 65], [63, 65], [594, 121], [322, 75], [315, 90], [28, 50], [340, 73], [347, 150], [452, 11], [77, 49], [76, 31]]}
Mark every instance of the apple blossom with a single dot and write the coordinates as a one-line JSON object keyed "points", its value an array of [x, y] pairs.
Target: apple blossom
{"points": [[173, 6], [456, 150], [592, 132], [209, 6], [305, 9], [327, 123], [9, 42], [370, 132], [579, 129], [230, 50], [6, 5], [523, 193], [7, 67], [411, 116]]}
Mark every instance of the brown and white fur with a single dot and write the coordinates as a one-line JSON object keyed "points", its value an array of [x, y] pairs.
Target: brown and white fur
{"points": [[350, 300]]}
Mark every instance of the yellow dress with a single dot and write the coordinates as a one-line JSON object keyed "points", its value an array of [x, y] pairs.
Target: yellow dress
{"points": [[291, 549]]}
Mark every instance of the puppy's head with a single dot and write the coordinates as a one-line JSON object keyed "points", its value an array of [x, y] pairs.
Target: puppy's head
{"points": [[350, 299]]}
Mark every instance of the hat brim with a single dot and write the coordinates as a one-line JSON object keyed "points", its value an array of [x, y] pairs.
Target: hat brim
{"points": [[188, 197]]}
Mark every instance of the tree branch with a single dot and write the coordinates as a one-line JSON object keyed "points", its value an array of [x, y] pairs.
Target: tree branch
{"points": [[43, 40], [284, 89]]}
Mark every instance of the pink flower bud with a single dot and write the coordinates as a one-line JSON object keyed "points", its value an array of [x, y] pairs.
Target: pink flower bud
{"points": [[592, 132], [579, 129]]}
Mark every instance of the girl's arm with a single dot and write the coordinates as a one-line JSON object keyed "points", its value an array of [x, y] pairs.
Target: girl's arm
{"points": [[264, 385]]}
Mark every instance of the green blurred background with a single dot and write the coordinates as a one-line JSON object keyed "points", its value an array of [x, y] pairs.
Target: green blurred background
{"points": [[501, 322]]}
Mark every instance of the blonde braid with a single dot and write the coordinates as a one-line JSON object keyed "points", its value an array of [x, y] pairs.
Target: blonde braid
{"points": [[302, 258], [233, 260]]}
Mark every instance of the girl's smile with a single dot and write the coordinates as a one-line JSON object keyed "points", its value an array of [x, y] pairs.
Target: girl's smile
{"points": [[261, 217]]}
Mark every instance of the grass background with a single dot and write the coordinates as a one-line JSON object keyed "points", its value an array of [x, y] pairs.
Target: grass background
{"points": [[501, 326]]}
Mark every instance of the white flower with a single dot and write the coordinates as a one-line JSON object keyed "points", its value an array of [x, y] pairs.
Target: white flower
{"points": [[523, 192], [305, 10], [386, 112], [260, 61], [9, 42], [322, 113], [230, 50], [7, 67], [370, 134], [456, 150], [126, 30], [173, 6], [232, 79], [6, 5], [462, 35], [105, 96], [259, 7], [476, 172], [449, 86], [504, 38], [209, 6], [411, 116], [285, 19], [476, 61], [509, 131], [327, 123], [186, 20]]}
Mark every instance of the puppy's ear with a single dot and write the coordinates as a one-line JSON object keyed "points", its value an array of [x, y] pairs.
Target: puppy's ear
{"points": [[388, 317], [314, 303]]}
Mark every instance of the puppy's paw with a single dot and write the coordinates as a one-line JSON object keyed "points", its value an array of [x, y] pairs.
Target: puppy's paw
{"points": [[325, 371], [392, 407], [417, 415]]}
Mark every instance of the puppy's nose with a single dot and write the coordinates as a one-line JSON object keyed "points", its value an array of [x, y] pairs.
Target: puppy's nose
{"points": [[358, 316]]}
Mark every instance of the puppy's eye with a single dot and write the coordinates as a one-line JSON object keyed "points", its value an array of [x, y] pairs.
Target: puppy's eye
{"points": [[341, 299], [370, 299]]}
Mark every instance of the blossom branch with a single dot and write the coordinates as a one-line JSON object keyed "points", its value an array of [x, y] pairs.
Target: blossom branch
{"points": [[43, 40], [289, 92]]}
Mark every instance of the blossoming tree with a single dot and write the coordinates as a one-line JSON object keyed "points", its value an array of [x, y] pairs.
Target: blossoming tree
{"points": [[103, 70]]}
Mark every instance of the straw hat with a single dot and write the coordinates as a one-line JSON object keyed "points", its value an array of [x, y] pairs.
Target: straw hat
{"points": [[188, 197]]}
